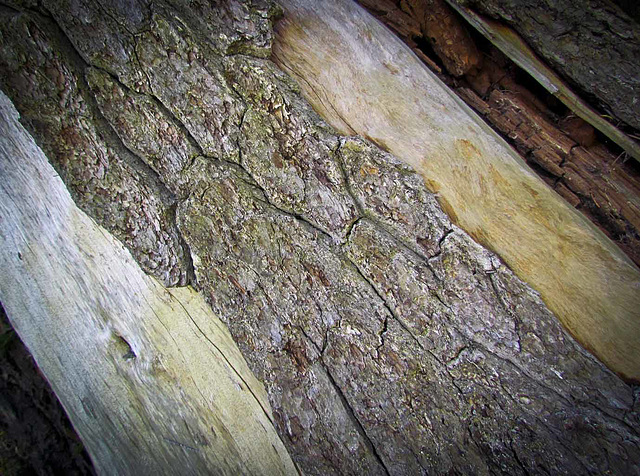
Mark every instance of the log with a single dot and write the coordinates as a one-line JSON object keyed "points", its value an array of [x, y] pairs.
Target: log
{"points": [[363, 80], [525, 120], [595, 47], [150, 377], [387, 340], [510, 43]]}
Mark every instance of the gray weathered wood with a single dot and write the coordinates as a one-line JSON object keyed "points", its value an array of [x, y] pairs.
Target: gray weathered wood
{"points": [[150, 377], [388, 341]]}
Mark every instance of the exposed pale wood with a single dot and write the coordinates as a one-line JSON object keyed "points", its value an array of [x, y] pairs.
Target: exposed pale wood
{"points": [[549, 145], [508, 41], [151, 379], [364, 80]]}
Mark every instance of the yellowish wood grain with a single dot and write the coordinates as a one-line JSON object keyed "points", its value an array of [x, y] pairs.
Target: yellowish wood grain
{"points": [[363, 80], [150, 377]]}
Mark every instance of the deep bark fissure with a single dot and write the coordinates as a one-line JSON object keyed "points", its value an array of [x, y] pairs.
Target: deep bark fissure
{"points": [[391, 312], [148, 172], [378, 264], [150, 177], [358, 424], [345, 401], [191, 278], [507, 309], [164, 110], [347, 182], [381, 334]]}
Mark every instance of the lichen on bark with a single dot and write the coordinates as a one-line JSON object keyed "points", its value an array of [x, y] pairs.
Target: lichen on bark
{"points": [[388, 341]]}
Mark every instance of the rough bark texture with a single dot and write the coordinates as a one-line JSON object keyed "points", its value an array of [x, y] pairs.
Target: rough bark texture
{"points": [[595, 44], [377, 88], [563, 149], [388, 341], [151, 378]]}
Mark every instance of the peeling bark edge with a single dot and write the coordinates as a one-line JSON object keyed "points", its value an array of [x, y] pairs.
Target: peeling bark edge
{"points": [[118, 347], [377, 87], [508, 41]]}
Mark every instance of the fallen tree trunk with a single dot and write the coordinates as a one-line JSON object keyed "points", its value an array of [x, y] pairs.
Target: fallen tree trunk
{"points": [[150, 377], [515, 48], [365, 81], [388, 341], [596, 46], [567, 153]]}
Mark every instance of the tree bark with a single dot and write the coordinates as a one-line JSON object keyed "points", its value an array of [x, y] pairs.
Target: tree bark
{"points": [[377, 89], [595, 46], [387, 340], [150, 377], [564, 150]]}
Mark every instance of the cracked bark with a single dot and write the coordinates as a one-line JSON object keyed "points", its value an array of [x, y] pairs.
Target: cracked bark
{"points": [[557, 144], [387, 340], [483, 185]]}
